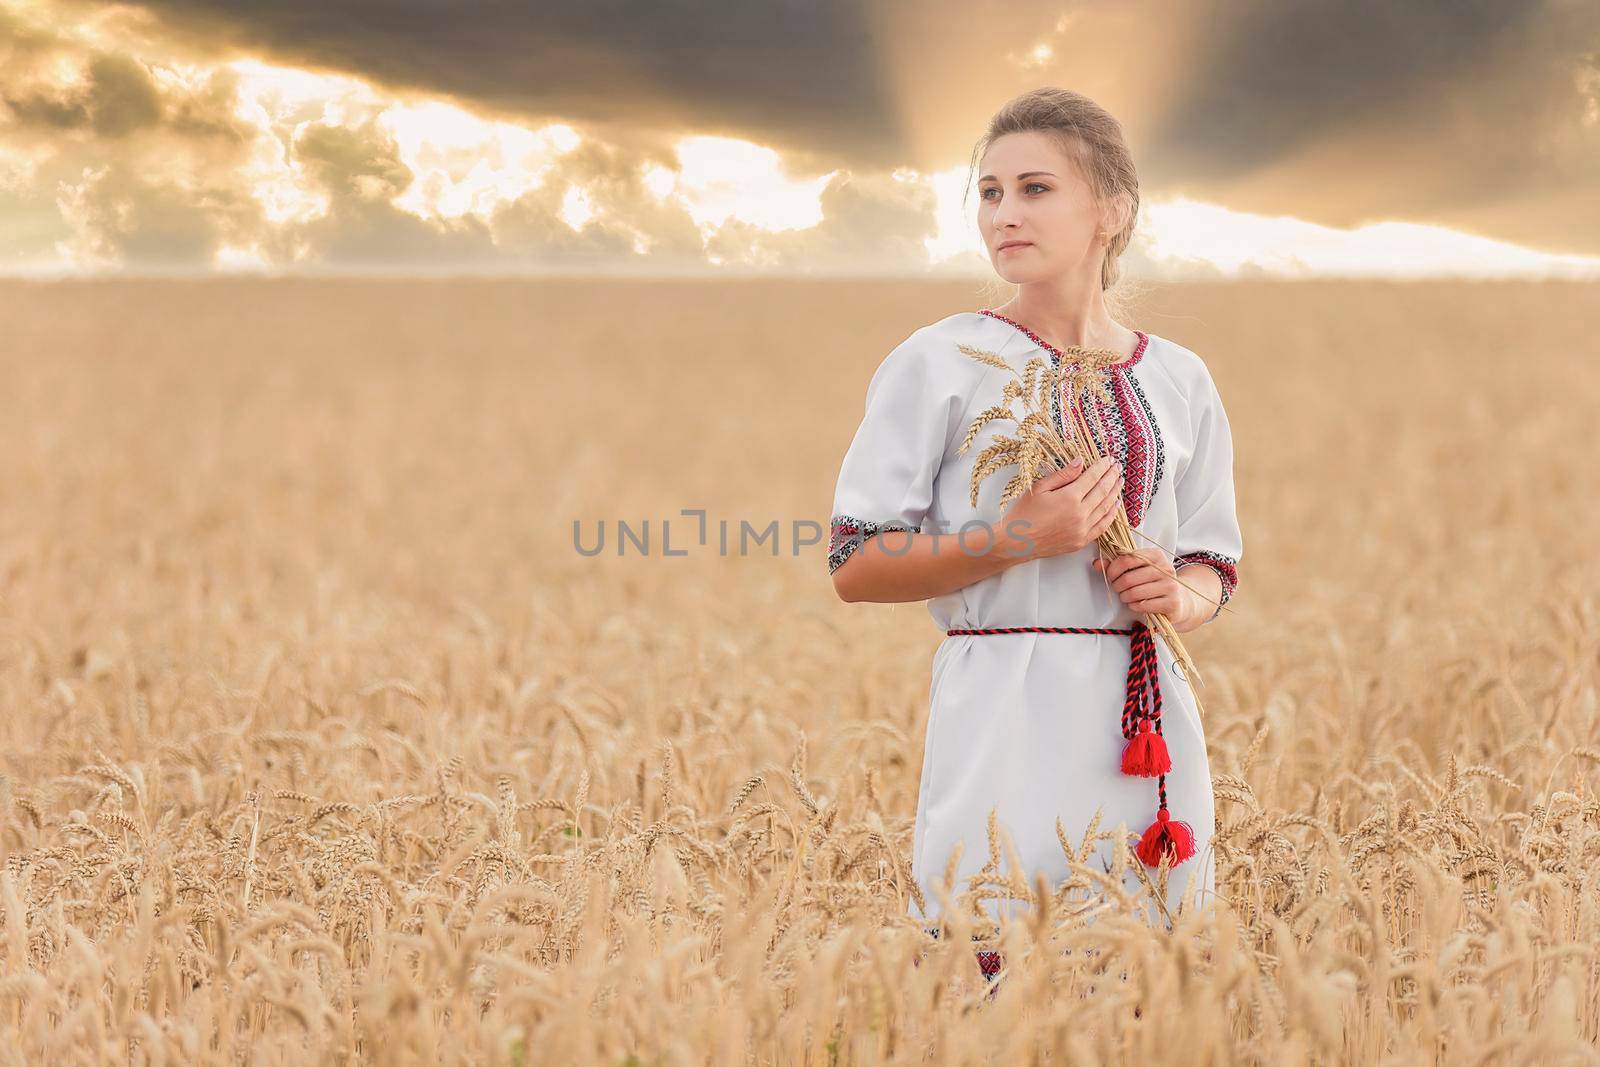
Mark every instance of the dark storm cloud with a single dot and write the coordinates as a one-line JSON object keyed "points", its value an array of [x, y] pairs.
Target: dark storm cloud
{"points": [[801, 72], [1478, 114], [1474, 114], [118, 168], [1242, 88], [115, 166], [1271, 77]]}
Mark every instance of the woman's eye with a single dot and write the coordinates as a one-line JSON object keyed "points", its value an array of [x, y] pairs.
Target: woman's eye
{"points": [[1031, 185]]}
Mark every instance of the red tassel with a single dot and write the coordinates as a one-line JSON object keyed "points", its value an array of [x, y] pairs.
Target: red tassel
{"points": [[1166, 835], [1146, 755]]}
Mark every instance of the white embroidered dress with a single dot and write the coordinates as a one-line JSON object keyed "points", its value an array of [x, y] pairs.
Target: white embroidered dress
{"points": [[1030, 724]]}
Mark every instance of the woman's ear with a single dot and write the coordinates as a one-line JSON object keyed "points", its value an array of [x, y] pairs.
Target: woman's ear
{"points": [[1114, 219]]}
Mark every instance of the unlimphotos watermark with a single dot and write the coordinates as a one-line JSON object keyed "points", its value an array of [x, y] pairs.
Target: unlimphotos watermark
{"points": [[975, 537]]}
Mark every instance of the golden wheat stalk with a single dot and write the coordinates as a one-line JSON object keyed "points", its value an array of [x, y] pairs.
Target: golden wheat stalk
{"points": [[1040, 448]]}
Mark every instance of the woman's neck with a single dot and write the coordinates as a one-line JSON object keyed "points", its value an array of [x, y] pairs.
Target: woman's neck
{"points": [[1091, 328]]}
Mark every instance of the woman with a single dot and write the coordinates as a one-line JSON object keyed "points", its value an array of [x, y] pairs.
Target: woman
{"points": [[1031, 724]]}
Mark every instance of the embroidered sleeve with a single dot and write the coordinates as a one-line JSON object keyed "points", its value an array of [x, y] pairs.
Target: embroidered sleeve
{"points": [[886, 480], [1226, 568], [848, 533], [1208, 522]]}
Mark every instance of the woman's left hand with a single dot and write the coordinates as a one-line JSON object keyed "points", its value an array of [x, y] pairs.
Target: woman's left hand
{"points": [[1147, 582]]}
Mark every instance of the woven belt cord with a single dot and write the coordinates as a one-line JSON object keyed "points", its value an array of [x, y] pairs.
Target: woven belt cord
{"points": [[1145, 755]]}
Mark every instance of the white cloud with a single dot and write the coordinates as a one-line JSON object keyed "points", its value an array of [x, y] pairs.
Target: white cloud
{"points": [[1178, 232], [721, 178]]}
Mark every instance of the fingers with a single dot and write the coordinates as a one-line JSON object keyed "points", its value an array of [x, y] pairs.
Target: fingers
{"points": [[1138, 586], [1113, 494], [1113, 489], [1127, 562], [1122, 570], [1155, 605], [1064, 476], [1103, 504], [1135, 567], [1107, 488], [1153, 558], [1102, 501], [1097, 472], [1141, 587]]}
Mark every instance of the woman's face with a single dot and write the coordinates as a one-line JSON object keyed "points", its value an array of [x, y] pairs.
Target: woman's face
{"points": [[1029, 191]]}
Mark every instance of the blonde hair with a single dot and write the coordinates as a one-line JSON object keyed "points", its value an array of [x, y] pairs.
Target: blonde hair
{"points": [[1089, 136]]}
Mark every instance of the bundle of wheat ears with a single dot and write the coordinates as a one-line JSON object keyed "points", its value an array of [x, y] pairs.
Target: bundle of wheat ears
{"points": [[1040, 448]]}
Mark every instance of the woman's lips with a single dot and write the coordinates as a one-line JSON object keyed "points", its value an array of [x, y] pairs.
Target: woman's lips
{"points": [[1014, 247]]}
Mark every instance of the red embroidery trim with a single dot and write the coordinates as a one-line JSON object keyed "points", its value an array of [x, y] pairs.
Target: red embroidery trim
{"points": [[990, 961], [1136, 434], [1133, 438], [1226, 567], [847, 533], [1138, 352]]}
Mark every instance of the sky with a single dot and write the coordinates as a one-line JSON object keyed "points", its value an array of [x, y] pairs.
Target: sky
{"points": [[1288, 138]]}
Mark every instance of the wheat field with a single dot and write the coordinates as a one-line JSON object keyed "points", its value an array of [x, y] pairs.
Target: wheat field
{"points": [[323, 743]]}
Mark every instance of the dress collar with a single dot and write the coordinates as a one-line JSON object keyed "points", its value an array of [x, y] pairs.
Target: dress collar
{"points": [[1138, 352]]}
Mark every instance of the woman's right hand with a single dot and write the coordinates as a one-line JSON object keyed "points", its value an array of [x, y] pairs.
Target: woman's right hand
{"points": [[1065, 510]]}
